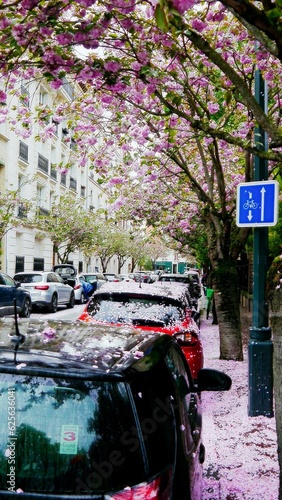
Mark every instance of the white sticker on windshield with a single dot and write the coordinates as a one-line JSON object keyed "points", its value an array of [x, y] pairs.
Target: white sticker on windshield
{"points": [[69, 439]]}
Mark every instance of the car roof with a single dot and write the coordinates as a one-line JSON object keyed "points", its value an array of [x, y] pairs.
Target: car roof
{"points": [[91, 274], [173, 275], [78, 346], [157, 289], [26, 273]]}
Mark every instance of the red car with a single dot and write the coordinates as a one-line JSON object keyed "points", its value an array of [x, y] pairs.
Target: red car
{"points": [[153, 307]]}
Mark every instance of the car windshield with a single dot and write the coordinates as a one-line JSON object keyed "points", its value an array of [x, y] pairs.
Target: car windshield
{"points": [[28, 278], [89, 278], [130, 309], [57, 435]]}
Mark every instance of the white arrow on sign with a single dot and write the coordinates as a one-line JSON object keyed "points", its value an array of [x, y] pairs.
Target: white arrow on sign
{"points": [[262, 204], [249, 216]]}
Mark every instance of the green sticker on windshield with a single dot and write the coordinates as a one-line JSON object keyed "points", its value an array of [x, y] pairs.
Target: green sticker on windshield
{"points": [[69, 439]]}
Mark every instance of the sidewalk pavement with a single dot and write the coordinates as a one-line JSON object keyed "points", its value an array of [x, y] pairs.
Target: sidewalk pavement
{"points": [[241, 452]]}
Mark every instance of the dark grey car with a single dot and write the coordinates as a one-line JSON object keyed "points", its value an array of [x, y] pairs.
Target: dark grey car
{"points": [[10, 291], [104, 414]]}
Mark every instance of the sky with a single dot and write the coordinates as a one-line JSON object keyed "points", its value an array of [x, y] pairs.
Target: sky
{"points": [[241, 452]]}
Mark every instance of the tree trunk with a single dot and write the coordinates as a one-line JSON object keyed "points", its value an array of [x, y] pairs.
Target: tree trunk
{"points": [[276, 325], [227, 302]]}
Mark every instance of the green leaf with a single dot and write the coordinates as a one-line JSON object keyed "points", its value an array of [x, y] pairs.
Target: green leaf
{"points": [[274, 13], [161, 19]]}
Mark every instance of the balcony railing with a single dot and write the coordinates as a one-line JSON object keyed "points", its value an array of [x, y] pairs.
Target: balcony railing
{"points": [[43, 163], [73, 183], [23, 151]]}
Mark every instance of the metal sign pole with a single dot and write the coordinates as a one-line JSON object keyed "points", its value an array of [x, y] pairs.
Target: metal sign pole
{"points": [[260, 344]]}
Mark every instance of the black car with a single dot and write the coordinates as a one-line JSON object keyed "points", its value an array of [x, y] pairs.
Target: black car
{"points": [[99, 413], [193, 286], [11, 290]]}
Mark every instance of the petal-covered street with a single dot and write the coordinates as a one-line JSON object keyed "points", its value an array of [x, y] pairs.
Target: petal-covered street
{"points": [[241, 452]]}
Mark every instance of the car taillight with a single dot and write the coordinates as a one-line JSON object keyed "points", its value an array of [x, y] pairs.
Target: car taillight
{"points": [[41, 287], [186, 338], [158, 489], [77, 287]]}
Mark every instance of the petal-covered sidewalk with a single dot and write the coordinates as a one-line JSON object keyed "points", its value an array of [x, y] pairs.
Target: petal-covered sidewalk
{"points": [[241, 451]]}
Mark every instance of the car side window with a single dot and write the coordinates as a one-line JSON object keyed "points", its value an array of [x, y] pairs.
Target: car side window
{"points": [[7, 280], [182, 382], [52, 277]]}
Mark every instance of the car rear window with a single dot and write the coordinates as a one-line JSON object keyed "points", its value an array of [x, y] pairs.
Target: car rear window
{"points": [[66, 436], [136, 310], [175, 279], [28, 278]]}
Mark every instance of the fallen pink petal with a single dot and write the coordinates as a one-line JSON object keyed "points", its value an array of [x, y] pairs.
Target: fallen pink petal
{"points": [[241, 452]]}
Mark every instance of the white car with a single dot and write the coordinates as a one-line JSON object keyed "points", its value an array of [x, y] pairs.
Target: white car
{"points": [[47, 289]]}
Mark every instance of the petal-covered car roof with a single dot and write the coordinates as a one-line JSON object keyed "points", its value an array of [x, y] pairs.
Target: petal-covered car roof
{"points": [[60, 344], [159, 289]]}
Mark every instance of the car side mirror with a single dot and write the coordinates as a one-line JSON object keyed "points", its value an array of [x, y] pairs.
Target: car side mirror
{"points": [[212, 380]]}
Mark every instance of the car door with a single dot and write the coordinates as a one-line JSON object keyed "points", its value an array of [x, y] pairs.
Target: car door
{"points": [[188, 414], [60, 286], [8, 292]]}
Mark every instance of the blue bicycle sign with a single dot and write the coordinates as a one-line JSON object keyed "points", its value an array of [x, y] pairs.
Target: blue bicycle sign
{"points": [[257, 203], [250, 204]]}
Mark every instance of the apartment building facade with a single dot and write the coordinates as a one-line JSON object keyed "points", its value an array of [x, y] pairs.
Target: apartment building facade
{"points": [[30, 166]]}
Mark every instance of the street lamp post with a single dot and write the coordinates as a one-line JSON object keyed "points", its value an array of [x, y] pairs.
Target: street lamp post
{"points": [[260, 344]]}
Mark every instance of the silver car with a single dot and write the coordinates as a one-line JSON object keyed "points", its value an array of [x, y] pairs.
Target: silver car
{"points": [[47, 289]]}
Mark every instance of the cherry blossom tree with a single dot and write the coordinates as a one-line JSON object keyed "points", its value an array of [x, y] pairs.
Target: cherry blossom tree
{"points": [[66, 224], [172, 89]]}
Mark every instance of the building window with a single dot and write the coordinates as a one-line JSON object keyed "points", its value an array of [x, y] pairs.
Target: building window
{"points": [[53, 173], [80, 266], [43, 97], [22, 211], [63, 179], [24, 97], [19, 264], [73, 183], [43, 163], [23, 151], [38, 264], [68, 88], [56, 126]]}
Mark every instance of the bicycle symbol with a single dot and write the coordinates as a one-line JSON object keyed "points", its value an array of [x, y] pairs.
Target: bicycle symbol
{"points": [[250, 204]]}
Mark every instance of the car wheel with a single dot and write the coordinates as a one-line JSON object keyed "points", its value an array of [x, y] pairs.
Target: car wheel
{"points": [[71, 303], [26, 310], [82, 298], [54, 304]]}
